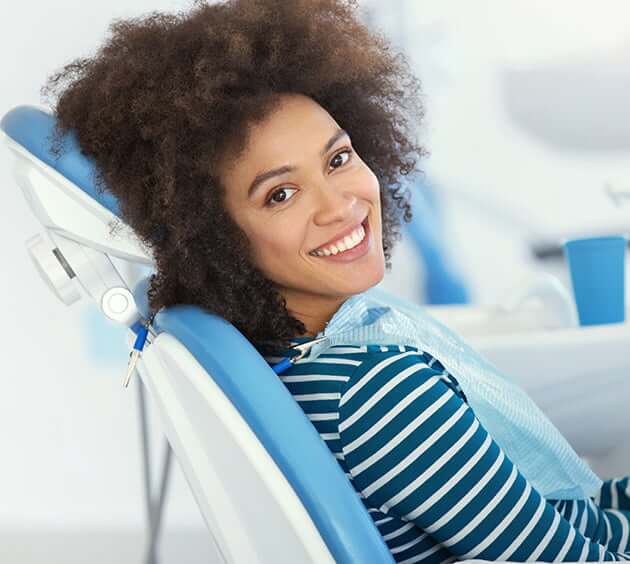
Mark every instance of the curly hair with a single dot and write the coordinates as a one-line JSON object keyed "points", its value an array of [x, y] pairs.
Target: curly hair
{"points": [[163, 98]]}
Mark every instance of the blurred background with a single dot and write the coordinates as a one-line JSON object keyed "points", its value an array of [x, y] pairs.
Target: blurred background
{"points": [[528, 129]]}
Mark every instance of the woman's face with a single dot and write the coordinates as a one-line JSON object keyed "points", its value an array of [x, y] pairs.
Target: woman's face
{"points": [[302, 195]]}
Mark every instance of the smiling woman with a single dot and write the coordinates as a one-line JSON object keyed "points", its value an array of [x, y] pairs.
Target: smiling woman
{"points": [[304, 218], [256, 147]]}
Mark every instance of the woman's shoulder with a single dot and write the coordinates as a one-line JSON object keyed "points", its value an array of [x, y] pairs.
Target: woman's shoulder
{"points": [[344, 359], [347, 350], [332, 371], [344, 369], [353, 359], [376, 366], [359, 354]]}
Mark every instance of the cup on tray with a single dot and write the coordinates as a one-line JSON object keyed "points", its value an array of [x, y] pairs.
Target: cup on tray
{"points": [[597, 267]]}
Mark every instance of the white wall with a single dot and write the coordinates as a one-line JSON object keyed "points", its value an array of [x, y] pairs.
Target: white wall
{"points": [[70, 432], [526, 123], [70, 437]]}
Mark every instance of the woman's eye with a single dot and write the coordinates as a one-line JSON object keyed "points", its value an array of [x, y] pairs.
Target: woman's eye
{"points": [[280, 195], [338, 158], [278, 200]]}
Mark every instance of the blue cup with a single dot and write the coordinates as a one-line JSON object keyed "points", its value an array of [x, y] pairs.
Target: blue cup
{"points": [[597, 266]]}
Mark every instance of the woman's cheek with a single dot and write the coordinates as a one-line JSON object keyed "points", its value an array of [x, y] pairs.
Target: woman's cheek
{"points": [[373, 184], [277, 243]]}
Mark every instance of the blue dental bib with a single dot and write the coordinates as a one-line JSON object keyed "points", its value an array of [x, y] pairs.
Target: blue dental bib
{"points": [[519, 427]]}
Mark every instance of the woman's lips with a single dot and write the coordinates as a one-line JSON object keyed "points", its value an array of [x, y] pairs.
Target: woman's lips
{"points": [[355, 252]]}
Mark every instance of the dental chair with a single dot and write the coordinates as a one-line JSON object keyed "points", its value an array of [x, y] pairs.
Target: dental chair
{"points": [[268, 488]]}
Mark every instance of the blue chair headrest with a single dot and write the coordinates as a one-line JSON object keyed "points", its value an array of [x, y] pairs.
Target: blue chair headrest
{"points": [[33, 128]]}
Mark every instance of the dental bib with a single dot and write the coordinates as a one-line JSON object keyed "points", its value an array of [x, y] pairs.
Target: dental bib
{"points": [[514, 421]]}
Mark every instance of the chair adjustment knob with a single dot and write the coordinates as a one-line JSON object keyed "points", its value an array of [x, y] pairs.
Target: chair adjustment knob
{"points": [[118, 304]]}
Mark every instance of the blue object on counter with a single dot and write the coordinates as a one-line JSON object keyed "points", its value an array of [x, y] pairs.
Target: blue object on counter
{"points": [[597, 267]]}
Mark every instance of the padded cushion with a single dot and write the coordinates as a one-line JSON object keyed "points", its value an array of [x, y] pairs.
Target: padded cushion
{"points": [[32, 128]]}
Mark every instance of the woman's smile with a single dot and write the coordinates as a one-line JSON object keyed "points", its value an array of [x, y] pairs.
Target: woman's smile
{"points": [[347, 248]]}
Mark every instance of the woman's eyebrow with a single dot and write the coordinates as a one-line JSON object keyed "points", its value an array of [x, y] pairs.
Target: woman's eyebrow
{"points": [[336, 136], [263, 176]]}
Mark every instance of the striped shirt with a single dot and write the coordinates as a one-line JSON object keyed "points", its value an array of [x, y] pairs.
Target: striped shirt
{"points": [[435, 483]]}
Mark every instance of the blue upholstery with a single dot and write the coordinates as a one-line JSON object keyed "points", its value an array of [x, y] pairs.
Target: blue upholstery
{"points": [[243, 375], [33, 128]]}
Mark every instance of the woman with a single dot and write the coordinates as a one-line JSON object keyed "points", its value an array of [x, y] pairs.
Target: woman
{"points": [[256, 147]]}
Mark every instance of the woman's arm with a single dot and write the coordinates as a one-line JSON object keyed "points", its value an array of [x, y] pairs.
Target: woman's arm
{"points": [[615, 494], [416, 450]]}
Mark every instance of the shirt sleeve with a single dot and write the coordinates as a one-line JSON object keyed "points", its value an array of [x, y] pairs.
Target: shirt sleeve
{"points": [[415, 450]]}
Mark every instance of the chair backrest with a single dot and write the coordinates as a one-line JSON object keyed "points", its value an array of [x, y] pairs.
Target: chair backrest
{"points": [[194, 340]]}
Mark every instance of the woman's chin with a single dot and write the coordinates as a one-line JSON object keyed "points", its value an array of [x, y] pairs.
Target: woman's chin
{"points": [[366, 276], [377, 276]]}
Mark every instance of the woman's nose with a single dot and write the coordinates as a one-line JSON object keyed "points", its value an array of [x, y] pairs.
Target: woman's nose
{"points": [[334, 204]]}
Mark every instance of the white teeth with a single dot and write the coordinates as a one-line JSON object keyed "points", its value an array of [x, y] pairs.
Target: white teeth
{"points": [[346, 243]]}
